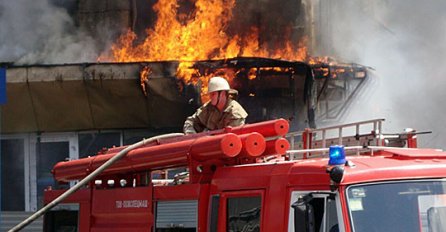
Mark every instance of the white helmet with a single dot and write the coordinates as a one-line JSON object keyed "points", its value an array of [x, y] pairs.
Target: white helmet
{"points": [[218, 84]]}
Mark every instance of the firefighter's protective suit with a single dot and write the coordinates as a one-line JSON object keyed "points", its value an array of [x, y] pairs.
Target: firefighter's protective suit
{"points": [[210, 117]]}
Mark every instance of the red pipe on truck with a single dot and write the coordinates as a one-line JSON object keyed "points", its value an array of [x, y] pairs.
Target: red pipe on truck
{"points": [[248, 140], [276, 147], [272, 128], [154, 157], [253, 144]]}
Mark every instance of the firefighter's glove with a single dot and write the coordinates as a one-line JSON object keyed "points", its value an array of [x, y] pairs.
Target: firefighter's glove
{"points": [[189, 131]]}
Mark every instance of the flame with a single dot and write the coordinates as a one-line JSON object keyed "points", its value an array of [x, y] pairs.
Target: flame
{"points": [[201, 34], [328, 67], [252, 74], [144, 78], [198, 38]]}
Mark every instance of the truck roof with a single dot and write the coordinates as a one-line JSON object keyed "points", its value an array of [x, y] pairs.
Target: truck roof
{"points": [[385, 165], [394, 164]]}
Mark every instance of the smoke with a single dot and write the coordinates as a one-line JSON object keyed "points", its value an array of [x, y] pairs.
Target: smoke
{"points": [[41, 32], [404, 41], [277, 21]]}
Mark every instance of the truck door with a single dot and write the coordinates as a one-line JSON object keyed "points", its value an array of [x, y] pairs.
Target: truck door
{"points": [[240, 211]]}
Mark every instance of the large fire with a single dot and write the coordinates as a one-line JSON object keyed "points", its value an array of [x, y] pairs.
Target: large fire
{"points": [[201, 34]]}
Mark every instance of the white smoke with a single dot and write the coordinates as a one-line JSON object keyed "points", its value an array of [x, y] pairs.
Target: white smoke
{"points": [[404, 40], [39, 32]]}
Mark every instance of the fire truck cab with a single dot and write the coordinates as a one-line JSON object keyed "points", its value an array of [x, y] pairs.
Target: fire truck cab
{"points": [[356, 184]]}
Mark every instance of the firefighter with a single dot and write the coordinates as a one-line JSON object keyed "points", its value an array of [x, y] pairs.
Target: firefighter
{"points": [[221, 111]]}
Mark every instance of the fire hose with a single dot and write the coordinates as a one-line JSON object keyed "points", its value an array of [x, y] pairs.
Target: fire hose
{"points": [[88, 178]]}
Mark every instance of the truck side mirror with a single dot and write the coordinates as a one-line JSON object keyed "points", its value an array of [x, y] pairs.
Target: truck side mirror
{"points": [[303, 214]]}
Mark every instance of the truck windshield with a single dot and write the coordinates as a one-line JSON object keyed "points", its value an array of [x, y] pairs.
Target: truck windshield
{"points": [[398, 206]]}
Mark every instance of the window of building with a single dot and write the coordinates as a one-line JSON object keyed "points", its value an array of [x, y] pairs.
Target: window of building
{"points": [[134, 136], [48, 154], [12, 175], [90, 143]]}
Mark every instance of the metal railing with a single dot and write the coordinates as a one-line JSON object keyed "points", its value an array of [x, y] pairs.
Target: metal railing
{"points": [[356, 149], [311, 139]]}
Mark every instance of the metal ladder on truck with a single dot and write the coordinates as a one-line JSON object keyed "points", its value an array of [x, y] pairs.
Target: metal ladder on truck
{"points": [[359, 136]]}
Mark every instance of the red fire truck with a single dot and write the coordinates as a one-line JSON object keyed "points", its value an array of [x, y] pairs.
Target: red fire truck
{"points": [[258, 177]]}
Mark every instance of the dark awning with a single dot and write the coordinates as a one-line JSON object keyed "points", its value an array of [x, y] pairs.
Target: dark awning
{"points": [[49, 98], [97, 96]]}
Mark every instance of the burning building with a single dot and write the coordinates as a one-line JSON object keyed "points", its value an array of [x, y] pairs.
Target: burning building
{"points": [[154, 75]]}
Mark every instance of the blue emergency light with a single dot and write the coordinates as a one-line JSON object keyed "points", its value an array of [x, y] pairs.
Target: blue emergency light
{"points": [[337, 155]]}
